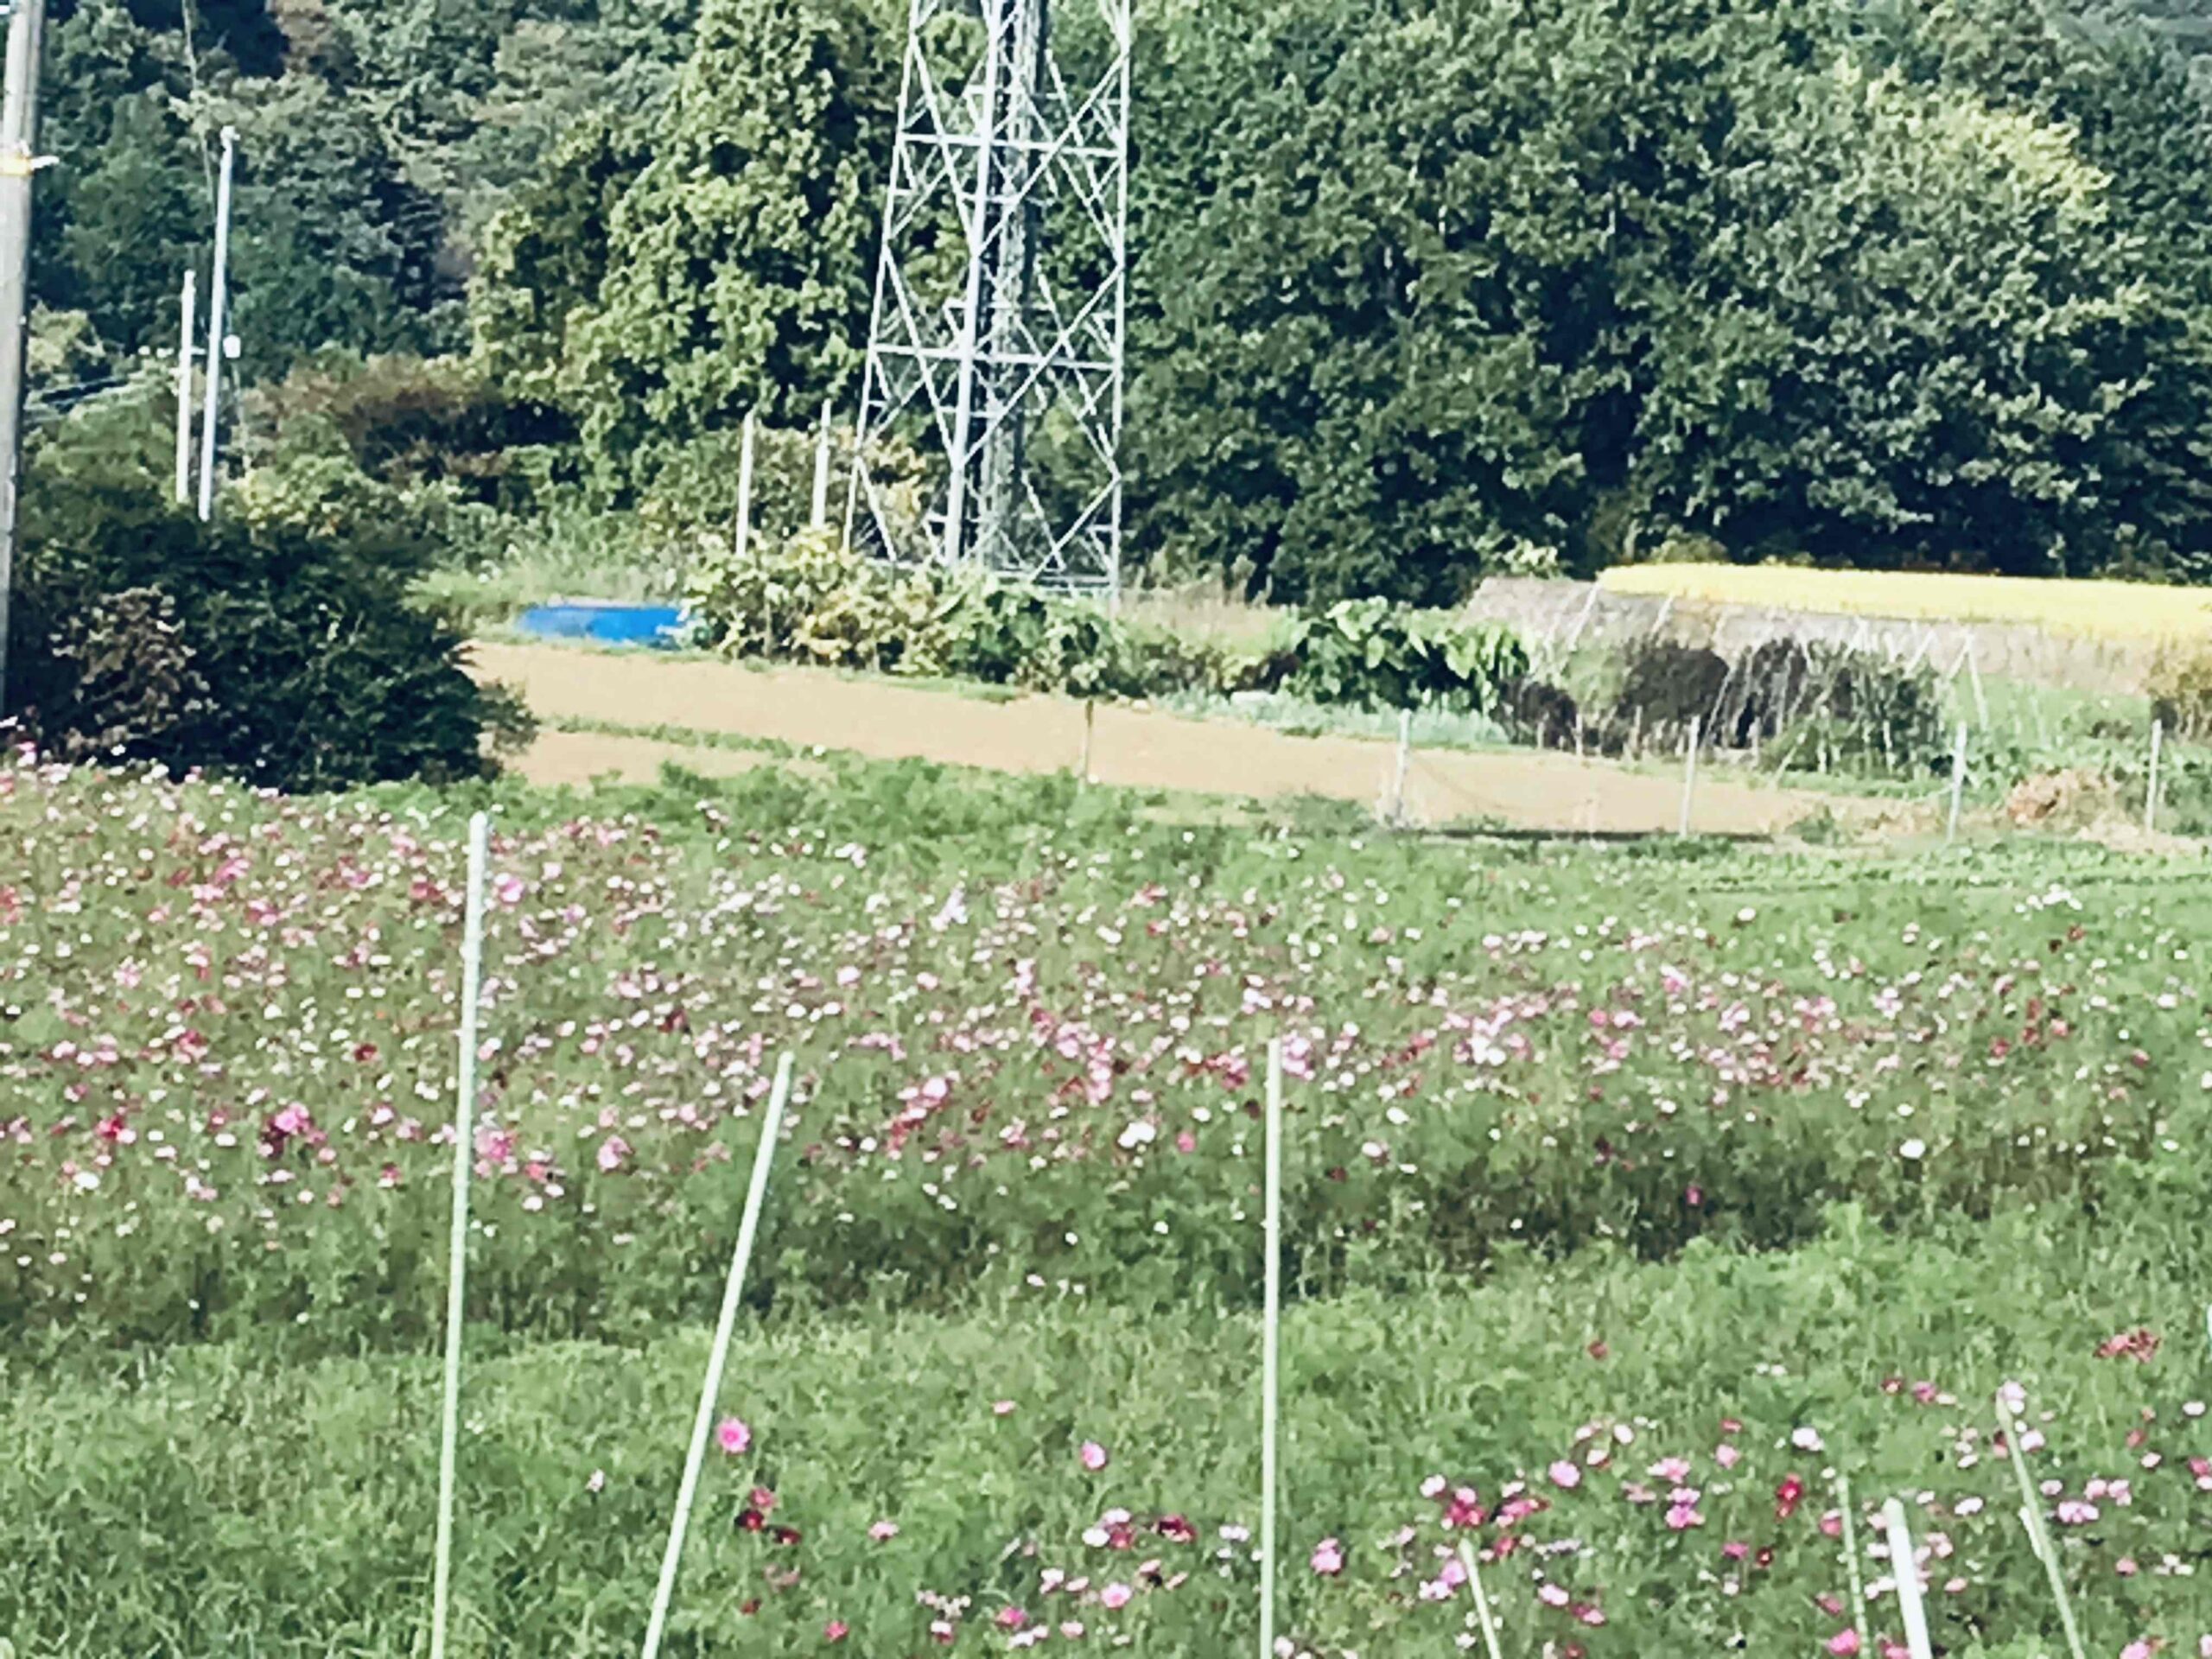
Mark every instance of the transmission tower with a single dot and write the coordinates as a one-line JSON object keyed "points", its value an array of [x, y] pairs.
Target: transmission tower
{"points": [[995, 343]]}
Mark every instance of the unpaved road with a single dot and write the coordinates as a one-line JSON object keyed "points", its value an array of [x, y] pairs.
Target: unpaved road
{"points": [[1144, 748]]}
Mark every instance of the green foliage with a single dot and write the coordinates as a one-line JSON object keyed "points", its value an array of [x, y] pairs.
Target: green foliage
{"points": [[1378, 655], [810, 599], [278, 643], [738, 262]]}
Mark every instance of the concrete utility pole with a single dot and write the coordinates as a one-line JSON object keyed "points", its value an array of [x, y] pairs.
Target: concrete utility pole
{"points": [[219, 291], [186, 310], [18, 129]]}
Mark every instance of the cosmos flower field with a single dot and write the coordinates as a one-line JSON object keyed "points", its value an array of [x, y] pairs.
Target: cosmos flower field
{"points": [[1632, 1198]]}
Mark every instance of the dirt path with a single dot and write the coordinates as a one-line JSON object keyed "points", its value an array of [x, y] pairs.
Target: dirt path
{"points": [[1142, 748]]}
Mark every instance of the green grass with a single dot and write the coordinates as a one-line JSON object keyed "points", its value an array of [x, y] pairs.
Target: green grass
{"points": [[220, 1501]]}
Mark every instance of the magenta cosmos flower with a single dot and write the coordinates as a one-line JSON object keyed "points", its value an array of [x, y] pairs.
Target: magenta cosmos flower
{"points": [[733, 1436]]}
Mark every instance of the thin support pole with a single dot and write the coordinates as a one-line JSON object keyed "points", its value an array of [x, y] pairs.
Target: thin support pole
{"points": [[1974, 679], [2032, 1519], [742, 537], [217, 295], [818, 516], [1483, 1616], [1404, 761], [1904, 1567], [1958, 783], [1690, 774], [18, 164], [710, 1389], [1089, 737], [1270, 1363], [1850, 1513], [188, 308], [2151, 793], [464, 1152]]}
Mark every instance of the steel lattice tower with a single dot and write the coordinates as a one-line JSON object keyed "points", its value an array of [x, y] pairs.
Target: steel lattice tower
{"points": [[996, 343]]}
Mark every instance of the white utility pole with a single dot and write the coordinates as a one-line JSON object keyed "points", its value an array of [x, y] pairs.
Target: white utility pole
{"points": [[18, 128], [187, 308], [219, 291]]}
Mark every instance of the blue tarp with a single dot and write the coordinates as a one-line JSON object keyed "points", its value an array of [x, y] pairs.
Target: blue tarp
{"points": [[613, 625]]}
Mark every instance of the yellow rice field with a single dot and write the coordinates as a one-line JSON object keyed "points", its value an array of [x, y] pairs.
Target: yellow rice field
{"points": [[2111, 610]]}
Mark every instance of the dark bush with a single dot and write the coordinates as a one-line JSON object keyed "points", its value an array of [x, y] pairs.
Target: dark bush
{"points": [[279, 643], [1539, 713], [1666, 684]]}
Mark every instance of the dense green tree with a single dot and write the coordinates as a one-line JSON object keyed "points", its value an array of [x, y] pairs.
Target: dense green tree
{"points": [[737, 263]]}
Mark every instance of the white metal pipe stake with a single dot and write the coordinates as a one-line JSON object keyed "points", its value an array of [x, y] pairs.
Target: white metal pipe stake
{"points": [[2031, 1518], [742, 539], [1270, 1361], [187, 308], [2151, 794], [1958, 783], [217, 293], [710, 1389], [819, 517], [1904, 1569], [1690, 774], [1482, 1602], [464, 1150]]}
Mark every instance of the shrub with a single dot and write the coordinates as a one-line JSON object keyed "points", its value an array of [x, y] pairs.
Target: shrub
{"points": [[1377, 655], [279, 642], [1666, 684]]}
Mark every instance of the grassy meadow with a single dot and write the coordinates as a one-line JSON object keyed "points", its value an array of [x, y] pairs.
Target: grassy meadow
{"points": [[1634, 1195]]}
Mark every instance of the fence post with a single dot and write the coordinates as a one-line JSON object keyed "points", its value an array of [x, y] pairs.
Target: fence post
{"points": [[1958, 783], [2151, 794], [1973, 678], [1690, 774]]}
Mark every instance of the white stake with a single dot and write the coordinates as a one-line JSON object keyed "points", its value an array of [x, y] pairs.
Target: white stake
{"points": [[464, 1150], [1690, 774], [2031, 1518], [1482, 1602], [710, 1389], [1270, 1372], [2151, 794], [1958, 783], [219, 291], [1849, 1511], [820, 518], [1089, 733], [1904, 1569], [186, 307], [743, 539]]}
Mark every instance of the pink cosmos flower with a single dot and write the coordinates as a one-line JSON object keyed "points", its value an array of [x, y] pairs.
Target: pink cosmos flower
{"points": [[1844, 1644], [612, 1152], [1116, 1597], [1002, 1408], [733, 1436], [884, 1531], [1328, 1558], [1565, 1476], [1093, 1455], [1682, 1517], [835, 1631], [2136, 1650]]}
